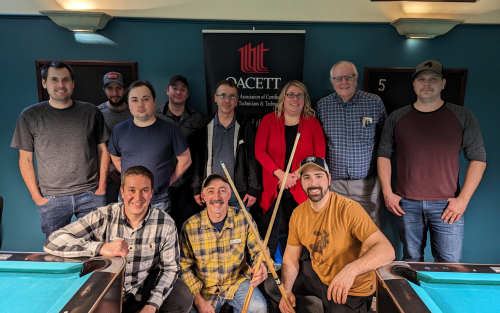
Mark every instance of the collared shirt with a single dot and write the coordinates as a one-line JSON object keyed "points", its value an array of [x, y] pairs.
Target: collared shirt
{"points": [[189, 123], [213, 263], [223, 146], [153, 243], [352, 133]]}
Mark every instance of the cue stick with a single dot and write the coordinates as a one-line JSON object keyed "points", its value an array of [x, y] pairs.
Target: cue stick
{"points": [[257, 237], [271, 223]]}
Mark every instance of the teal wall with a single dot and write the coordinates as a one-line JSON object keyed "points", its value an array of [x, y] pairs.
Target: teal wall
{"points": [[164, 47]]}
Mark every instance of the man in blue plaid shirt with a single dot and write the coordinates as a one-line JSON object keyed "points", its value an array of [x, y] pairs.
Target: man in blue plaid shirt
{"points": [[353, 121], [144, 236]]}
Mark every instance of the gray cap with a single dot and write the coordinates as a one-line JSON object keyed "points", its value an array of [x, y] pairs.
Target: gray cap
{"points": [[429, 65], [113, 77]]}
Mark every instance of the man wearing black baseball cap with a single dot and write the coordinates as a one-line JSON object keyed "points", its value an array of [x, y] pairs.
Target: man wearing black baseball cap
{"points": [[344, 243], [115, 111], [176, 111], [428, 136]]}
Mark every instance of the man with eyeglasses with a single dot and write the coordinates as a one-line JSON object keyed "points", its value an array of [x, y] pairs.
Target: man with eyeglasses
{"points": [[228, 137], [428, 136], [353, 121], [176, 111]]}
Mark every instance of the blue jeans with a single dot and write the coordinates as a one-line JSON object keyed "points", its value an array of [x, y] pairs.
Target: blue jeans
{"points": [[234, 202], [446, 239], [258, 303], [57, 212], [164, 206]]}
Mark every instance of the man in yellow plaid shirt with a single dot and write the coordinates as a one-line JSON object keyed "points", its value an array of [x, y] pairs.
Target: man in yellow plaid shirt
{"points": [[213, 261]]}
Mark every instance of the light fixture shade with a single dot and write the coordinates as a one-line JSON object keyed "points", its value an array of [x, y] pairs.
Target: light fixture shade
{"points": [[426, 28], [79, 20]]}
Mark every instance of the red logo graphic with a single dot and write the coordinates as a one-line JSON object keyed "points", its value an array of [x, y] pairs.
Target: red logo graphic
{"points": [[252, 59]]}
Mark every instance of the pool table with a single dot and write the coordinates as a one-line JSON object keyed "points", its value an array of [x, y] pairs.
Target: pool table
{"points": [[411, 287], [43, 283]]}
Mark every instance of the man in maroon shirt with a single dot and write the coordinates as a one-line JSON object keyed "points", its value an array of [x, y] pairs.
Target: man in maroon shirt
{"points": [[428, 136]]}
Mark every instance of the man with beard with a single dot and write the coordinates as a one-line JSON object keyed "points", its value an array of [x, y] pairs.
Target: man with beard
{"points": [[176, 111], [345, 246], [115, 111], [213, 259]]}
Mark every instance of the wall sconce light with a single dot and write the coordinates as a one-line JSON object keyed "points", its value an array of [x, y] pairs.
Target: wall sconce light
{"points": [[424, 28], [79, 21]]}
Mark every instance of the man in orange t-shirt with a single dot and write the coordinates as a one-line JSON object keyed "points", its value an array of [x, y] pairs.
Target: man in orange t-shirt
{"points": [[344, 243]]}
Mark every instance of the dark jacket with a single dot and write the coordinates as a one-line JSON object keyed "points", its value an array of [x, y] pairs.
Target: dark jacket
{"points": [[247, 170], [191, 122]]}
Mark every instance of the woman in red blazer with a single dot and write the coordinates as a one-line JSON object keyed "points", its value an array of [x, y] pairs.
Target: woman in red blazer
{"points": [[273, 145]]}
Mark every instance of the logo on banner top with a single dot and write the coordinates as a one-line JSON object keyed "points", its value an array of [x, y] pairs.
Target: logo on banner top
{"points": [[252, 59]]}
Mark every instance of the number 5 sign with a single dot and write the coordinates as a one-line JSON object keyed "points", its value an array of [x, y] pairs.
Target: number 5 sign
{"points": [[395, 85]]}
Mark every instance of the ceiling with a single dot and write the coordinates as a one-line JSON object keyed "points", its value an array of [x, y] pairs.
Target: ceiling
{"points": [[482, 12]]}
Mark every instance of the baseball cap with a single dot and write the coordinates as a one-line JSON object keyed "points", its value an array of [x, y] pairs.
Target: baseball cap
{"points": [[212, 177], [113, 77], [313, 161], [178, 77], [429, 65]]}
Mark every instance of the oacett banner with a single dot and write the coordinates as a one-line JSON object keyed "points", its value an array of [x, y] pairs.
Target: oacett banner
{"points": [[259, 62]]}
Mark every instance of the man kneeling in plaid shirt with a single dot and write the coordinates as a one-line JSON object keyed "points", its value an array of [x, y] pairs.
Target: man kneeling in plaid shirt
{"points": [[213, 260], [145, 236]]}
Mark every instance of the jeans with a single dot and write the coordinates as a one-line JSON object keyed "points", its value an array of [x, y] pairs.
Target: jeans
{"points": [[57, 212], [420, 216], [234, 202], [257, 302], [164, 206]]}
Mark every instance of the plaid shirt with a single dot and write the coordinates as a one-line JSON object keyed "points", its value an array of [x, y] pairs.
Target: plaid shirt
{"points": [[351, 152], [213, 263], [153, 243]]}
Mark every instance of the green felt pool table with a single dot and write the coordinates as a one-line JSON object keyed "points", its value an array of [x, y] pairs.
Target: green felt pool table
{"points": [[418, 287], [42, 283]]}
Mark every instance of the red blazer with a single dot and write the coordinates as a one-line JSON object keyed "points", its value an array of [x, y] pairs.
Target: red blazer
{"points": [[270, 149]]}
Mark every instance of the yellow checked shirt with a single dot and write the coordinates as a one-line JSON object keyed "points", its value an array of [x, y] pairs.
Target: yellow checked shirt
{"points": [[213, 263]]}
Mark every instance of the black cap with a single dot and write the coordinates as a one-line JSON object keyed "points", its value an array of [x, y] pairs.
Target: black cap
{"points": [[113, 77], [429, 65], [212, 177], [178, 77], [313, 161]]}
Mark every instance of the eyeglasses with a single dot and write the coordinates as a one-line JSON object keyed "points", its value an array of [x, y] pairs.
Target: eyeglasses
{"points": [[348, 78], [224, 96], [291, 96]]}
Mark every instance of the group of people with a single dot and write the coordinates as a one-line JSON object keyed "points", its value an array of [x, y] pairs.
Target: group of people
{"points": [[138, 177]]}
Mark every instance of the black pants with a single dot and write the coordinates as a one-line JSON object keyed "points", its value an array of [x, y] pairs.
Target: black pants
{"points": [[182, 204], [285, 209], [308, 283], [180, 299]]}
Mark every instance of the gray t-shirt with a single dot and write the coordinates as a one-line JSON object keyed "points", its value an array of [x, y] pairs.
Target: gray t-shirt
{"points": [[113, 116], [65, 144]]}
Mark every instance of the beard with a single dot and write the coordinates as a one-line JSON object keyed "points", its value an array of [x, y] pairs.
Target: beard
{"points": [[116, 103], [316, 197]]}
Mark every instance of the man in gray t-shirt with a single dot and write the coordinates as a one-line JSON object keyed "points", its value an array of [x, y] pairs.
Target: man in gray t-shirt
{"points": [[115, 111], [69, 140]]}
